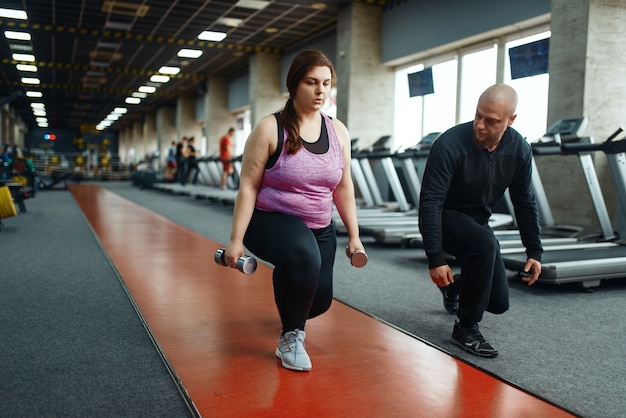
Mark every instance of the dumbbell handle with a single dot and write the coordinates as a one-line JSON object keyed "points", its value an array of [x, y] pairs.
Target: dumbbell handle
{"points": [[245, 265], [357, 258]]}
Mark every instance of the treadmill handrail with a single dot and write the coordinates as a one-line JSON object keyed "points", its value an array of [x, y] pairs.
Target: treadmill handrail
{"points": [[608, 146], [540, 149]]}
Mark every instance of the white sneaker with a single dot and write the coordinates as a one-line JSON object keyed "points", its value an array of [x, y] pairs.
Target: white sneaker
{"points": [[292, 352]]}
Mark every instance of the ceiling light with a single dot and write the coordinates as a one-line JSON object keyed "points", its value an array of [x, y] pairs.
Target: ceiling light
{"points": [[208, 35], [30, 80], [271, 29], [189, 53], [253, 4], [42, 120], [318, 6], [159, 78], [21, 47], [34, 94], [140, 95], [147, 89], [121, 26], [38, 112], [43, 125], [169, 70], [20, 36], [232, 22], [37, 105], [95, 63], [26, 67], [13, 14], [108, 45], [120, 110], [132, 100], [23, 57]]}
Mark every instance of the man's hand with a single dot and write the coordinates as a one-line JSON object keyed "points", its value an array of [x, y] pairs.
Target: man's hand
{"points": [[442, 276], [533, 268]]}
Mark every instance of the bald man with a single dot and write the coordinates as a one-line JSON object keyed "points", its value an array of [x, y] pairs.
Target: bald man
{"points": [[469, 168]]}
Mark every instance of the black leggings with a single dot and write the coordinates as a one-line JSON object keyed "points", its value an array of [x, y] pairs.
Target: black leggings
{"points": [[484, 285], [303, 260]]}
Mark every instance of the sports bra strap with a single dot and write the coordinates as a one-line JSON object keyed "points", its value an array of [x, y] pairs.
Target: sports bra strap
{"points": [[279, 147]]}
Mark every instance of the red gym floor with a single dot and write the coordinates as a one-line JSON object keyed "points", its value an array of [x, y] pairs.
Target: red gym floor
{"points": [[218, 330]]}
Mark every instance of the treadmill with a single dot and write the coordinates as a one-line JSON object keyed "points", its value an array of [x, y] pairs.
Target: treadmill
{"points": [[552, 234], [376, 210], [590, 264]]}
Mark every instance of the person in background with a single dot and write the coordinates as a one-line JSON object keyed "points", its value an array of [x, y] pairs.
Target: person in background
{"points": [[4, 163], [226, 153], [171, 153], [295, 164], [181, 160], [170, 162], [192, 161], [468, 170]]}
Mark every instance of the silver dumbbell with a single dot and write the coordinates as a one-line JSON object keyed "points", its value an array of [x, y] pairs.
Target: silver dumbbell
{"points": [[245, 265], [358, 258]]}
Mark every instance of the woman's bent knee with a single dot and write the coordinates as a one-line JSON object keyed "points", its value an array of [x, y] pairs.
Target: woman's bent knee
{"points": [[319, 309]]}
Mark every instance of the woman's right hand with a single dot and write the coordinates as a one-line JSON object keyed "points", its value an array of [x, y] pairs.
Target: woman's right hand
{"points": [[234, 250]]}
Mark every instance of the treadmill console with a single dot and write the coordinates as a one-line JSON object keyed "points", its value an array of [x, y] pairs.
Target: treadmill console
{"points": [[565, 130], [381, 144], [427, 142]]}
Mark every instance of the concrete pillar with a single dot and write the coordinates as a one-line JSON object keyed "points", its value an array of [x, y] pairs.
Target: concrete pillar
{"points": [[587, 78], [365, 87], [166, 129], [186, 122], [265, 83], [149, 133], [122, 145], [138, 149], [217, 117]]}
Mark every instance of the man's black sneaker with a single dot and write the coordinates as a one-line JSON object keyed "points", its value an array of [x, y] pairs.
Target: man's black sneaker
{"points": [[471, 340], [451, 296]]}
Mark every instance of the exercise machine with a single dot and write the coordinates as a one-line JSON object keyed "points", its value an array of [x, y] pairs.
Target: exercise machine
{"points": [[588, 263]]}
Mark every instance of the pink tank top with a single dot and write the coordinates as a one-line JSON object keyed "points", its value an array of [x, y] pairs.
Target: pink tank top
{"points": [[302, 184]]}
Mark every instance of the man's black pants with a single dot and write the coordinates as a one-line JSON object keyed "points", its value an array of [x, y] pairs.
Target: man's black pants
{"points": [[484, 285]]}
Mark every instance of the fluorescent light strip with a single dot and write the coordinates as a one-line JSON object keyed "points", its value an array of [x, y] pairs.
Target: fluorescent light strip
{"points": [[208, 35], [23, 57], [169, 70], [159, 79], [189, 53], [30, 80], [146, 89], [13, 14], [20, 47], [20, 36], [26, 67]]}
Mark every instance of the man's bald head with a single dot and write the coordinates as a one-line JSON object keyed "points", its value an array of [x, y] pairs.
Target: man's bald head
{"points": [[501, 94]]}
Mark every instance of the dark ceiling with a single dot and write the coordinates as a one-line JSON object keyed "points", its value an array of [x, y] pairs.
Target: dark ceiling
{"points": [[92, 54]]}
